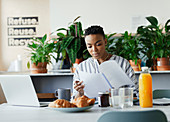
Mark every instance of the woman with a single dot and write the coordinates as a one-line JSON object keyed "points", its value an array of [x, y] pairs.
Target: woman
{"points": [[95, 42]]}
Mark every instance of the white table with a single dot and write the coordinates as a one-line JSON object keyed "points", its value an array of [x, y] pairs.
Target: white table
{"points": [[33, 114]]}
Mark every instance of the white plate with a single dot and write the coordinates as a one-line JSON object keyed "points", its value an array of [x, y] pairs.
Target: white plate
{"points": [[161, 101], [71, 109]]}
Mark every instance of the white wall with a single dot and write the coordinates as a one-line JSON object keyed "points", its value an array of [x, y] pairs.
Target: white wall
{"points": [[21, 8], [113, 15]]}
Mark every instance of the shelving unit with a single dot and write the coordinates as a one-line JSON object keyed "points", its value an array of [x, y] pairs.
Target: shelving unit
{"points": [[51, 81]]}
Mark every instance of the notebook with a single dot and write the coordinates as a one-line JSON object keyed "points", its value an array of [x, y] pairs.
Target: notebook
{"points": [[19, 90]]}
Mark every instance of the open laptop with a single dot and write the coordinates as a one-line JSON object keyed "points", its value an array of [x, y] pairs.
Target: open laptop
{"points": [[19, 90]]}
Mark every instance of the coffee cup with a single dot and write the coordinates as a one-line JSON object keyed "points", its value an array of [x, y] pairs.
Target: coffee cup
{"points": [[63, 93]]}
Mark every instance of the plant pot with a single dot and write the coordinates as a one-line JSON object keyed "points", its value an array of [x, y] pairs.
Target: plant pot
{"points": [[162, 61], [163, 68], [40, 68], [163, 64], [136, 67], [78, 60]]}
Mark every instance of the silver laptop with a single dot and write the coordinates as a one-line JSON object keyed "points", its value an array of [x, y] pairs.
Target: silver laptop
{"points": [[19, 90]]}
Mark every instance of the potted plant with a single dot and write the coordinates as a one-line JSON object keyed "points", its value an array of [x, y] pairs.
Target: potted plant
{"points": [[126, 46], [132, 50], [156, 42], [110, 46], [72, 43], [40, 50], [115, 45]]}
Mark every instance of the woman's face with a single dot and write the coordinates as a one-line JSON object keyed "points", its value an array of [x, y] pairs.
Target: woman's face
{"points": [[96, 45]]}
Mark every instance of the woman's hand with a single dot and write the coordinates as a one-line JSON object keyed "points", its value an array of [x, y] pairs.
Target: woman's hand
{"points": [[78, 86]]}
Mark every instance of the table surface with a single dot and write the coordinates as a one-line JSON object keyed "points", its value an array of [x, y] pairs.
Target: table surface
{"points": [[36, 114]]}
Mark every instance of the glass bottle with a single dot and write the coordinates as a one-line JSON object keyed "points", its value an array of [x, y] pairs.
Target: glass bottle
{"points": [[145, 88]]}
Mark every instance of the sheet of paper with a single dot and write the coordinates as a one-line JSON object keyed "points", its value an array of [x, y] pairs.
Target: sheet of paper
{"points": [[94, 83], [114, 74]]}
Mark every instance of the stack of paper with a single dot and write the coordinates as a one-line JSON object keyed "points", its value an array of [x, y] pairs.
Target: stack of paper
{"points": [[111, 75]]}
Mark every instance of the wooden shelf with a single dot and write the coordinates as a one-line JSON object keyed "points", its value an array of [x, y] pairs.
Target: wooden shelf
{"points": [[45, 95]]}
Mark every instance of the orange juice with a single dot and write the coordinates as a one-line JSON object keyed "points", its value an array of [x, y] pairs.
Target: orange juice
{"points": [[145, 89]]}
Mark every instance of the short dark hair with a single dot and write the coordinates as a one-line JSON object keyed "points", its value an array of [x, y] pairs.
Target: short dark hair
{"points": [[95, 29]]}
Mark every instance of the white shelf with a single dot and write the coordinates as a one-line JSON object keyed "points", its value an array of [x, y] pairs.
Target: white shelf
{"points": [[64, 72], [155, 72], [49, 73]]}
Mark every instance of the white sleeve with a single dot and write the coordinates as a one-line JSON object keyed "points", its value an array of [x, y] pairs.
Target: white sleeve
{"points": [[75, 78]]}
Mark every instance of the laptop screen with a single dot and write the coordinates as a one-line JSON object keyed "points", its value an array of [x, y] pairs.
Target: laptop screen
{"points": [[19, 90]]}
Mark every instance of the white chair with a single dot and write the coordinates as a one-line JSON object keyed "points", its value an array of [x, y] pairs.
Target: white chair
{"points": [[161, 93]]}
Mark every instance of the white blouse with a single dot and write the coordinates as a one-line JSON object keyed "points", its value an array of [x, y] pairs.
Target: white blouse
{"points": [[91, 65]]}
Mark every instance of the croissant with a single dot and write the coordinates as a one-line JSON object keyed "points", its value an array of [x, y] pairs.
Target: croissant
{"points": [[83, 101], [61, 103]]}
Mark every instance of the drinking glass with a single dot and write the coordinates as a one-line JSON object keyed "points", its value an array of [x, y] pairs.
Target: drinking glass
{"points": [[127, 94], [117, 99]]}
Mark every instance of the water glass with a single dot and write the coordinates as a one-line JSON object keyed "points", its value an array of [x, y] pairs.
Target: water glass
{"points": [[127, 94], [117, 99]]}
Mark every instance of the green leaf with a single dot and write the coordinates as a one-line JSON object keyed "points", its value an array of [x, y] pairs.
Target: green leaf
{"points": [[71, 31], [66, 42], [28, 64], [61, 35], [161, 53], [79, 29], [44, 38], [37, 63], [126, 35], [61, 29], [111, 35], [152, 20], [140, 30], [64, 53], [167, 27], [35, 39], [73, 48], [72, 55], [106, 36], [76, 19], [136, 61], [168, 42]]}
